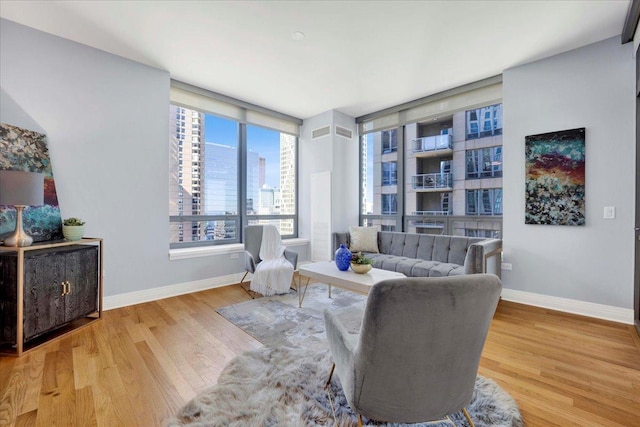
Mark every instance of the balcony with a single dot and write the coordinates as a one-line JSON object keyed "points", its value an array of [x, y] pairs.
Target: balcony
{"points": [[432, 182], [432, 145], [431, 213]]}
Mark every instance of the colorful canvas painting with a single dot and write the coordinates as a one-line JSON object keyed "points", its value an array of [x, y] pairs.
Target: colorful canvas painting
{"points": [[26, 150], [554, 178]]}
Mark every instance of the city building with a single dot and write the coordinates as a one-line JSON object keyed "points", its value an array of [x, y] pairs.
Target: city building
{"points": [[452, 174], [186, 133]]}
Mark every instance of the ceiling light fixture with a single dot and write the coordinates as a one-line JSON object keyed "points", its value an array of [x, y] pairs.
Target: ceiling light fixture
{"points": [[297, 35]]}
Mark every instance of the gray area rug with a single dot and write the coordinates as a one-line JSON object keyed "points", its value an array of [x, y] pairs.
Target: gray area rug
{"points": [[277, 321], [285, 387], [282, 384]]}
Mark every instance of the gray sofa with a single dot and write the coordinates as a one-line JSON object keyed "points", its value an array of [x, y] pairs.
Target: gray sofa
{"points": [[429, 255]]}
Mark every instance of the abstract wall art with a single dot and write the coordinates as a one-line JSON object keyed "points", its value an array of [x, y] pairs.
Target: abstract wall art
{"points": [[555, 178], [26, 150]]}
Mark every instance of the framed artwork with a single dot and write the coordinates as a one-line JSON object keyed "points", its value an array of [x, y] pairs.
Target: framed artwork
{"points": [[555, 178], [26, 150]]}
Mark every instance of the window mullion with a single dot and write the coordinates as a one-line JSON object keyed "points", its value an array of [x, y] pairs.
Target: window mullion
{"points": [[242, 179]]}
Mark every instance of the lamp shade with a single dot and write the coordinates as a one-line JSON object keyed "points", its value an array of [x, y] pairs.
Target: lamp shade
{"points": [[21, 188]]}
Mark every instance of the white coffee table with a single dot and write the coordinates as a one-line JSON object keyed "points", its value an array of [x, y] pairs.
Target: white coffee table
{"points": [[327, 272]]}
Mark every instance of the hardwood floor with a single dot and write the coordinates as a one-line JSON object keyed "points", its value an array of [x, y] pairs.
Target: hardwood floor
{"points": [[139, 364]]}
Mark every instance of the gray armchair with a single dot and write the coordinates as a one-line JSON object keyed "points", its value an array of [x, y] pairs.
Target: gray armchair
{"points": [[417, 354], [252, 242]]}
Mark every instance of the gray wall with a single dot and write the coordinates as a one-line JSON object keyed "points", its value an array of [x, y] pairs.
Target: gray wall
{"points": [[591, 87], [335, 154], [106, 119]]}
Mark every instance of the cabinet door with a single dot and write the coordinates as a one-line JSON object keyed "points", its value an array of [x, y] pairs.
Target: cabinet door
{"points": [[81, 271], [8, 295], [43, 299]]}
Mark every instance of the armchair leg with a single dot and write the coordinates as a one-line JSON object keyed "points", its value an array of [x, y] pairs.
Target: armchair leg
{"points": [[468, 417], [330, 375], [245, 289]]}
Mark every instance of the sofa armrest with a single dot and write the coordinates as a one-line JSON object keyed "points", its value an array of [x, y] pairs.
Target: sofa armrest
{"points": [[484, 257]]}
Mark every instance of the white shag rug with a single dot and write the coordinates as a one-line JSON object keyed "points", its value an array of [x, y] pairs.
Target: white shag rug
{"points": [[281, 386]]}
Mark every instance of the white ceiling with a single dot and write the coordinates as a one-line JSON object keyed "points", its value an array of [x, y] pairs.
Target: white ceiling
{"points": [[358, 56]]}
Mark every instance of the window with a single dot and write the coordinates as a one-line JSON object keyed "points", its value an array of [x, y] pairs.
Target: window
{"points": [[389, 204], [485, 121], [389, 141], [389, 173], [407, 188], [271, 178], [484, 202], [484, 163], [238, 173]]}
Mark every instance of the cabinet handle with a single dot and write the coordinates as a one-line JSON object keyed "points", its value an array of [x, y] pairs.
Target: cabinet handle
{"points": [[66, 288]]}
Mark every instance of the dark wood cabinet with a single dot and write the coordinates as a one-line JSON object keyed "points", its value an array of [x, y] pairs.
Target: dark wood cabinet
{"points": [[43, 291]]}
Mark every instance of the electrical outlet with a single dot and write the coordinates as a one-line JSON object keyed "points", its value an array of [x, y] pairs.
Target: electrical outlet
{"points": [[235, 256], [506, 266]]}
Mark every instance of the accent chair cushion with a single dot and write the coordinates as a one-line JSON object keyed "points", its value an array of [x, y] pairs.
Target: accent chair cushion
{"points": [[364, 239]]}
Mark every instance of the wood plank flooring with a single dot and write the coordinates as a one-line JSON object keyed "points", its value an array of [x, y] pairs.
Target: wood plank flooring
{"points": [[139, 364]]}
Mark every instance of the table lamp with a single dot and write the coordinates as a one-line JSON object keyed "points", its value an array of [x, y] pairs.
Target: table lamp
{"points": [[20, 189]]}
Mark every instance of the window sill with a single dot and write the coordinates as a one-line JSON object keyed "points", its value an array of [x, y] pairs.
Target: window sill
{"points": [[203, 251]]}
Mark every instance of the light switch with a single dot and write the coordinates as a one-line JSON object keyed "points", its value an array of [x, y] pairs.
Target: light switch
{"points": [[609, 212]]}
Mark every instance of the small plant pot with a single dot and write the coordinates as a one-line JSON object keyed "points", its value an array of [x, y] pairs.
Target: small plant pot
{"points": [[361, 268], [73, 232]]}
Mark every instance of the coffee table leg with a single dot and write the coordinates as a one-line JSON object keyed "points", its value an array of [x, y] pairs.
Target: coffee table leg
{"points": [[329, 290], [302, 294]]}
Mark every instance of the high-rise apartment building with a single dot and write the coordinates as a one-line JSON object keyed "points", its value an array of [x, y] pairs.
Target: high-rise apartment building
{"points": [[452, 170], [186, 133], [287, 181]]}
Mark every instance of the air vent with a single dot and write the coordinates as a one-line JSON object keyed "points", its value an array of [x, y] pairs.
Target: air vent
{"points": [[344, 132], [320, 132]]}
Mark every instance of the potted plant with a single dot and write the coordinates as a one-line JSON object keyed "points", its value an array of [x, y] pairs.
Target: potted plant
{"points": [[73, 228], [360, 263]]}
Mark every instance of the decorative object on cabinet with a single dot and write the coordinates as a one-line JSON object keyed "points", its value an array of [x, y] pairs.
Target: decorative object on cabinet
{"points": [[25, 150], [20, 189], [73, 228], [343, 257], [48, 290]]}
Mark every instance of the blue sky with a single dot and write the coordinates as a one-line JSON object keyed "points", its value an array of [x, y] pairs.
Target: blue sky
{"points": [[265, 142]]}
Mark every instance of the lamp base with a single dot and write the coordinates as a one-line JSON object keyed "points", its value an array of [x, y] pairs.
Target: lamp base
{"points": [[19, 237]]}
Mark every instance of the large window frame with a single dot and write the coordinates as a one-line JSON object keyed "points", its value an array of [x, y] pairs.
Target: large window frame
{"points": [[483, 97], [243, 114]]}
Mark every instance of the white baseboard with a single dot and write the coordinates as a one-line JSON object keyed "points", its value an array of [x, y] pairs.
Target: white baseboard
{"points": [[589, 309], [137, 297]]}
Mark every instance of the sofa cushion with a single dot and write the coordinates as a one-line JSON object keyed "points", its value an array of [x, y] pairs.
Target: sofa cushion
{"points": [[377, 259], [406, 266], [425, 246], [442, 269], [422, 268], [392, 262], [458, 250], [410, 249], [441, 249], [397, 244], [364, 239]]}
